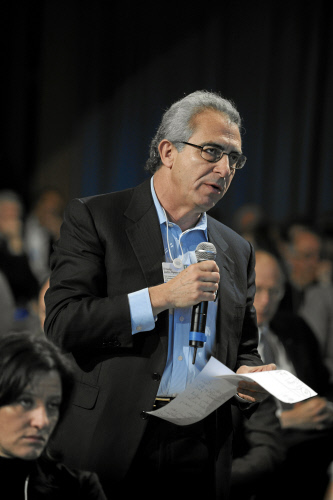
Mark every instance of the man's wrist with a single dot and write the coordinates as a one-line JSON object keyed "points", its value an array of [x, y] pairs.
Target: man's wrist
{"points": [[244, 402]]}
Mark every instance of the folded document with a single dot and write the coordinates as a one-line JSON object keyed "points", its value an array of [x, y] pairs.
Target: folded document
{"points": [[216, 383]]}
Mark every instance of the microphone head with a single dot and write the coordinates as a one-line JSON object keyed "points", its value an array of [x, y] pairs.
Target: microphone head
{"points": [[205, 251]]}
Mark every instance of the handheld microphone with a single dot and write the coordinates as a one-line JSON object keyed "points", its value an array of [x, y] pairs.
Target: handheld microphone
{"points": [[204, 251]]}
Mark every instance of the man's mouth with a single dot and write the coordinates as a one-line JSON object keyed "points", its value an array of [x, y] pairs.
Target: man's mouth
{"points": [[215, 187]]}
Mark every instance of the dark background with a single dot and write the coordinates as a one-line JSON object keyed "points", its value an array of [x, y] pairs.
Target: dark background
{"points": [[84, 85]]}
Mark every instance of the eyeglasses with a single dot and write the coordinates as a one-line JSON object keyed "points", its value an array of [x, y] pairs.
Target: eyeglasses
{"points": [[214, 153]]}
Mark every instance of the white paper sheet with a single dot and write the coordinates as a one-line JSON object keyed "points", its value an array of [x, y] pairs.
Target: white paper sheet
{"points": [[216, 383]]}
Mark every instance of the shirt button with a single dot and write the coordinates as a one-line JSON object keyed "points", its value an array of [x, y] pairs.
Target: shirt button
{"points": [[180, 358], [181, 318], [139, 328]]}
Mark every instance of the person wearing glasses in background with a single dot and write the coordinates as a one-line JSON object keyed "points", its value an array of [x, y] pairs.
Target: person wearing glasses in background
{"points": [[307, 427], [127, 326]]}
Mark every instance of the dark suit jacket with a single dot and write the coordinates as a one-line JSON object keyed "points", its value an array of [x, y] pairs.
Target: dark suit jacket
{"points": [[258, 451], [111, 245], [259, 441], [303, 350], [308, 453]]}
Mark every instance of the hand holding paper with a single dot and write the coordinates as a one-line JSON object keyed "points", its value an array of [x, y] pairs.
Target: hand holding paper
{"points": [[216, 384], [251, 391]]}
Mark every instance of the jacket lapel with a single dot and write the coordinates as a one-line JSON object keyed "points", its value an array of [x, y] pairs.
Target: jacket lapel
{"points": [[144, 234], [226, 267]]}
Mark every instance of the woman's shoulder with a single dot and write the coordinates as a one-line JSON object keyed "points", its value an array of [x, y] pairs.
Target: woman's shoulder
{"points": [[66, 482]]}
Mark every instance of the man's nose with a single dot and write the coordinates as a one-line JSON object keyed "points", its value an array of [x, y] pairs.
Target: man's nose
{"points": [[222, 166]]}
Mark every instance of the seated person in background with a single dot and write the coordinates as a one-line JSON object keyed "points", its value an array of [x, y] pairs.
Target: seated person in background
{"points": [[35, 385], [42, 229], [302, 256], [258, 452], [307, 294], [317, 310], [14, 261], [307, 426]]}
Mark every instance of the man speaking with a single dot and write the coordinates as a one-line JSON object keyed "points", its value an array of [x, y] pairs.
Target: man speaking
{"points": [[124, 280]]}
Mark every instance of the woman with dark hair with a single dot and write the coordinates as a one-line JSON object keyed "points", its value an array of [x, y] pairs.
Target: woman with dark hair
{"points": [[36, 382]]}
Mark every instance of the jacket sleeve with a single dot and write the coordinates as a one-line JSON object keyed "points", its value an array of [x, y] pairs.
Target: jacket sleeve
{"points": [[79, 312]]}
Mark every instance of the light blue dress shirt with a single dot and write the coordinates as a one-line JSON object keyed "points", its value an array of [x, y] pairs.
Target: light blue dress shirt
{"points": [[179, 370]]}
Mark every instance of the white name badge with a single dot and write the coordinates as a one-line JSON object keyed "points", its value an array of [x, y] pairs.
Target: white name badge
{"points": [[170, 270]]}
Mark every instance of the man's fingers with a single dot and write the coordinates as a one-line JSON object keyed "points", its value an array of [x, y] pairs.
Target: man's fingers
{"points": [[252, 391]]}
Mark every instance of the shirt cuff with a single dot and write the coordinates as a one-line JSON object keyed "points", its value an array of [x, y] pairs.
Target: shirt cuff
{"points": [[244, 402], [141, 311]]}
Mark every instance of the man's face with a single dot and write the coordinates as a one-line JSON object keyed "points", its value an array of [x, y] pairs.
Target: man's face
{"points": [[305, 258], [269, 289], [10, 218], [197, 183]]}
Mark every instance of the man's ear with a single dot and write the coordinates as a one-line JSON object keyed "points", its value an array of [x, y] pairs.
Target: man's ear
{"points": [[167, 153]]}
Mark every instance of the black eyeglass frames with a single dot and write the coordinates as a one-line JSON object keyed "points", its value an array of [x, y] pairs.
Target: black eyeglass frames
{"points": [[213, 154]]}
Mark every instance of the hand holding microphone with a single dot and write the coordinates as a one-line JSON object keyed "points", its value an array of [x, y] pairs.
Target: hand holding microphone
{"points": [[197, 283], [204, 251]]}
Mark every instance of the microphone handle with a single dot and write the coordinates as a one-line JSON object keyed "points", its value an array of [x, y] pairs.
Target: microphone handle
{"points": [[198, 323]]}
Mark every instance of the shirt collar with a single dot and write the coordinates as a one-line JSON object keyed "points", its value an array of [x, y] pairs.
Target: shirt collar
{"points": [[263, 330], [201, 224]]}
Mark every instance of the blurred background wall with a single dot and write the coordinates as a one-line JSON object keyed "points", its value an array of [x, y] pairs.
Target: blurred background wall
{"points": [[85, 83]]}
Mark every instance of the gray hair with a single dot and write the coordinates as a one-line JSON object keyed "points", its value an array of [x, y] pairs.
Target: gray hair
{"points": [[177, 123]]}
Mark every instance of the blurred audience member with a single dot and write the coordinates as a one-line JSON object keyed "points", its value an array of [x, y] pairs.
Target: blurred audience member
{"points": [[247, 218], [251, 222], [308, 293], [14, 262], [302, 257], [7, 305], [287, 340], [317, 310], [42, 229], [35, 386], [258, 452]]}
